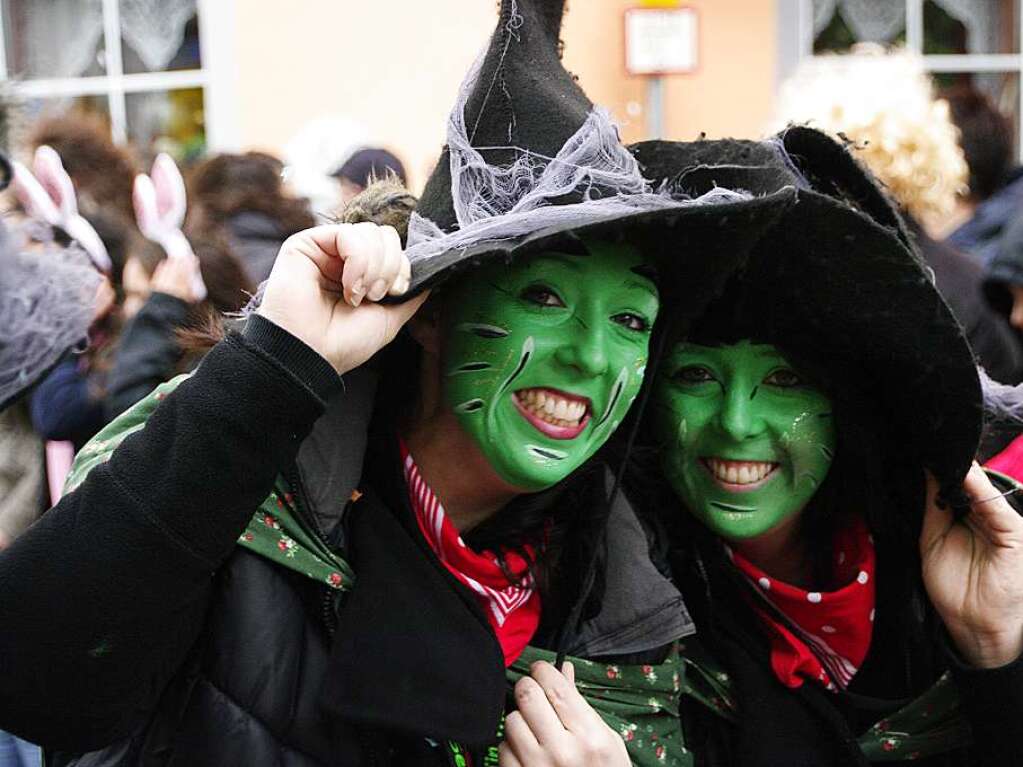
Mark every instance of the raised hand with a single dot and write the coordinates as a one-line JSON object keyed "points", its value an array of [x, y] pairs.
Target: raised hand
{"points": [[973, 572], [177, 277], [325, 284], [555, 726]]}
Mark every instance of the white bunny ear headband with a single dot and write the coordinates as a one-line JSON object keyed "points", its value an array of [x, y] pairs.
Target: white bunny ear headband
{"points": [[159, 200], [49, 195]]}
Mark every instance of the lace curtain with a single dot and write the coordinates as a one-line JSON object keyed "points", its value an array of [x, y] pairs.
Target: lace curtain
{"points": [[879, 21], [155, 28], [59, 38]]}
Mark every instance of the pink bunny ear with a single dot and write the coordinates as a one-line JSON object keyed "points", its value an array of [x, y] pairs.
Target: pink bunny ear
{"points": [[143, 198], [56, 203], [170, 191], [33, 198], [49, 170], [160, 210]]}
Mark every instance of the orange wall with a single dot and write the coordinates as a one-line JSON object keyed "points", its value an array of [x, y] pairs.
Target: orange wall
{"points": [[732, 92], [396, 64]]}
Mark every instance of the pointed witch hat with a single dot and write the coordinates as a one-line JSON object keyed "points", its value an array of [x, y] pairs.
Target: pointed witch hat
{"points": [[529, 161], [839, 280]]}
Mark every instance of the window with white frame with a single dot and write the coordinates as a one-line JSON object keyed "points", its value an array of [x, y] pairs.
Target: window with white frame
{"points": [[963, 42], [138, 63]]}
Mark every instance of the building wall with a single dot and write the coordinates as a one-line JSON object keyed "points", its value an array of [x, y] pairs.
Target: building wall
{"points": [[395, 66]]}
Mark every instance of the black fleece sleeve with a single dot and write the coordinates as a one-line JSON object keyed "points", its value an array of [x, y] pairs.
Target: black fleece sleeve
{"points": [[102, 599], [992, 700], [147, 353]]}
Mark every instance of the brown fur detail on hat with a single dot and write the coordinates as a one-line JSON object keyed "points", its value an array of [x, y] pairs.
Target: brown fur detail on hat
{"points": [[103, 172], [385, 202]]}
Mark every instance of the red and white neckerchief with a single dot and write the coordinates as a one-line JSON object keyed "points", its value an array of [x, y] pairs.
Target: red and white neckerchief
{"points": [[512, 608], [832, 628]]}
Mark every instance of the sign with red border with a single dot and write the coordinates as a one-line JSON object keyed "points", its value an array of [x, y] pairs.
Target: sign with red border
{"points": [[661, 41]]}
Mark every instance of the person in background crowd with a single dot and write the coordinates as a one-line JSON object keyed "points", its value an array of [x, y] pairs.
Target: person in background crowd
{"points": [[160, 302], [102, 172], [995, 197], [356, 173], [51, 293], [245, 195], [884, 104]]}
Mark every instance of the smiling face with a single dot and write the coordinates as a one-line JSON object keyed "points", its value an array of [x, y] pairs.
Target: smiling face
{"points": [[542, 359], [747, 441]]}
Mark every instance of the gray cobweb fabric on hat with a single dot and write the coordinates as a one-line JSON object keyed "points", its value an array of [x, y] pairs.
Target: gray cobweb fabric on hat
{"points": [[498, 202], [46, 306]]}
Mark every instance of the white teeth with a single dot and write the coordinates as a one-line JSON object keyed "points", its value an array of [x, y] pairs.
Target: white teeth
{"points": [[551, 408], [739, 472]]}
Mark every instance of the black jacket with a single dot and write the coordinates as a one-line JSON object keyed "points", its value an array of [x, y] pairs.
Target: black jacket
{"points": [[147, 354], [136, 629], [812, 727]]}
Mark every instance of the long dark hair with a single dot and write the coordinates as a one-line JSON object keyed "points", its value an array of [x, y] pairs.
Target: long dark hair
{"points": [[227, 184]]}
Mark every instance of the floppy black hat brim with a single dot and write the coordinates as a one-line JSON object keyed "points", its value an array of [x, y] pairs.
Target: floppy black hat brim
{"points": [[851, 291], [694, 248]]}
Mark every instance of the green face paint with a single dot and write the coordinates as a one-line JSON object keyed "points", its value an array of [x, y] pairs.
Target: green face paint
{"points": [[746, 440], [543, 358]]}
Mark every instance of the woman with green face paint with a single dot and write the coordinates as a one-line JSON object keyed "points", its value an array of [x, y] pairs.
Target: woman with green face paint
{"points": [[346, 538], [857, 586]]}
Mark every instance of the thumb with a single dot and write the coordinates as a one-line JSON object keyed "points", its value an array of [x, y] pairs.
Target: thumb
{"points": [[569, 671], [937, 520], [403, 312]]}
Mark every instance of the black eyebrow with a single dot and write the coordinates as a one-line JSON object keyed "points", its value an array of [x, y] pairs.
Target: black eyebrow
{"points": [[646, 271]]}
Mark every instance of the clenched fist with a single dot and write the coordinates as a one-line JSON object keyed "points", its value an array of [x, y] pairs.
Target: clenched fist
{"points": [[325, 285]]}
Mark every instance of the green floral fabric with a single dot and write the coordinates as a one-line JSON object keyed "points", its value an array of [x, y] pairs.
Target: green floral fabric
{"points": [[638, 702], [274, 532]]}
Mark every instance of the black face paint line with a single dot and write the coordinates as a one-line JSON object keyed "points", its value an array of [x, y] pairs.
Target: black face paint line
{"points": [[471, 367], [547, 453], [483, 330], [615, 394], [471, 406], [527, 352]]}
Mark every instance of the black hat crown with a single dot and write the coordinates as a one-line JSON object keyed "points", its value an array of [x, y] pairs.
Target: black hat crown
{"points": [[521, 99]]}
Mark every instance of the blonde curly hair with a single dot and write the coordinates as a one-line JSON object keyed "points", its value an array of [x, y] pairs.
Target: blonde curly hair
{"points": [[884, 103]]}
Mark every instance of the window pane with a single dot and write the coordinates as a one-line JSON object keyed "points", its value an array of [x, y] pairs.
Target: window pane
{"points": [[57, 38], [840, 24], [159, 37], [167, 121], [971, 26]]}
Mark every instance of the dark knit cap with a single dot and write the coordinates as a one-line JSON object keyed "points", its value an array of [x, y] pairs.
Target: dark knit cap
{"points": [[370, 163]]}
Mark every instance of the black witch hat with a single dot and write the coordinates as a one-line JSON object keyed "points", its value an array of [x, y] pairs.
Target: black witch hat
{"points": [[529, 160], [839, 276]]}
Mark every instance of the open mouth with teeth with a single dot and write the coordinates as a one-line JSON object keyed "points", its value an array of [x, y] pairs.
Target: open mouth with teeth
{"points": [[739, 476], [554, 413]]}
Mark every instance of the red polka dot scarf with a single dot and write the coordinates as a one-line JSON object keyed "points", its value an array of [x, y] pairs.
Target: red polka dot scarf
{"points": [[512, 607], [829, 632]]}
